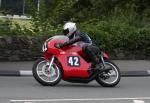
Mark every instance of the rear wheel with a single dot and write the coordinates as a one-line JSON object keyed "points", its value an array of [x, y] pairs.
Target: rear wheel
{"points": [[109, 78], [45, 76]]}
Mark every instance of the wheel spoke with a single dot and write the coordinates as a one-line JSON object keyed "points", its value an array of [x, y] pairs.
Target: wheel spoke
{"points": [[112, 73], [45, 78], [40, 73]]}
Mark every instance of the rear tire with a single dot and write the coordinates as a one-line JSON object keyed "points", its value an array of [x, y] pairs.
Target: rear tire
{"points": [[102, 82], [38, 76]]}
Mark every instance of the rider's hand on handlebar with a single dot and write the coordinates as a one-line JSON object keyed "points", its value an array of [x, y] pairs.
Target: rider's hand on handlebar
{"points": [[58, 45]]}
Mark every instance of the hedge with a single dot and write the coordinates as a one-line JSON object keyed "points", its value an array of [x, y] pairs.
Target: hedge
{"points": [[119, 38]]}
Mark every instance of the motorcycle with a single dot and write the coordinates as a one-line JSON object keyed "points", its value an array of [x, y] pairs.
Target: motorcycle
{"points": [[71, 64]]}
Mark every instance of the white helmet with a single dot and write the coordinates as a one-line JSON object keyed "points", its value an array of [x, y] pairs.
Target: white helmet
{"points": [[69, 28]]}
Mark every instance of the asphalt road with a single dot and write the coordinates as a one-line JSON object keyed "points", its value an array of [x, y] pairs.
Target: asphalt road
{"points": [[27, 90]]}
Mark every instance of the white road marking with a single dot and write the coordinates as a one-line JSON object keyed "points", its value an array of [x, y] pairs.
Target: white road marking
{"points": [[148, 71], [81, 99], [29, 102], [138, 101], [26, 72]]}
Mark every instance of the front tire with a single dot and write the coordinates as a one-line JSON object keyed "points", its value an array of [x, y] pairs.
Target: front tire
{"points": [[103, 78], [45, 77]]}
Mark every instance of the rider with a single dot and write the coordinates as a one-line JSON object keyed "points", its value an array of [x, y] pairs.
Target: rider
{"points": [[81, 39]]}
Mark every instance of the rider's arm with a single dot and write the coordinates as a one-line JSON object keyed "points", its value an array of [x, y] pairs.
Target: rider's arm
{"points": [[72, 41]]}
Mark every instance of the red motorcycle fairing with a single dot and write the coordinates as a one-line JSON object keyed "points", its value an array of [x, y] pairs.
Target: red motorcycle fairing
{"points": [[73, 65], [70, 58], [105, 56]]}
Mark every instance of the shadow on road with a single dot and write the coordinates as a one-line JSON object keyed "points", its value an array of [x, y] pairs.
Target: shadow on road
{"points": [[75, 85]]}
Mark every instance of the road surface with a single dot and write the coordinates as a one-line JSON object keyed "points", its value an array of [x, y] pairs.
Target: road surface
{"points": [[27, 90]]}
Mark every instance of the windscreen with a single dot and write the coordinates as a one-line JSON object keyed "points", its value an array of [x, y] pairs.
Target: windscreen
{"points": [[59, 37]]}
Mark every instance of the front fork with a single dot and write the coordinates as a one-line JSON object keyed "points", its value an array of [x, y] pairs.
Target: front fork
{"points": [[50, 62], [103, 62]]}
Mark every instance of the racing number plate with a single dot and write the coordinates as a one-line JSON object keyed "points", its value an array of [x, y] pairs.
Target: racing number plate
{"points": [[73, 61]]}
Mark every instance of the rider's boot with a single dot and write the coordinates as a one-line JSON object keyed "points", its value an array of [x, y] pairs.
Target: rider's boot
{"points": [[96, 65]]}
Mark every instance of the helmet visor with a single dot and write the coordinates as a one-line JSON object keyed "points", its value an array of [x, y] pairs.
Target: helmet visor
{"points": [[66, 31]]}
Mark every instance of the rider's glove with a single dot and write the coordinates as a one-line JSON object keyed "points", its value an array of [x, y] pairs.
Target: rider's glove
{"points": [[59, 45]]}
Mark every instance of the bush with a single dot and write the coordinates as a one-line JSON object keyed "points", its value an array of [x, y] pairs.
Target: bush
{"points": [[10, 28], [5, 27], [117, 37]]}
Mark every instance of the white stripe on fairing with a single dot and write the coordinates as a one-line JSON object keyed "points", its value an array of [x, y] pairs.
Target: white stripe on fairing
{"points": [[81, 99], [138, 101], [26, 72]]}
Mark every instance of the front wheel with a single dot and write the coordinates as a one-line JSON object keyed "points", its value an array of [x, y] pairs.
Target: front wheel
{"points": [[45, 75], [109, 78]]}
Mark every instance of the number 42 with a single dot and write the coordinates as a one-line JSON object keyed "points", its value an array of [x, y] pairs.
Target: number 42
{"points": [[74, 61]]}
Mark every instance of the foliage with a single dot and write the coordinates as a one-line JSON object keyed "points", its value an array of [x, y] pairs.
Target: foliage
{"points": [[8, 27], [53, 13], [5, 27], [118, 36]]}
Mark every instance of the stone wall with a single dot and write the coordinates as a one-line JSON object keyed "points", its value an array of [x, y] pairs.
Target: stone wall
{"points": [[29, 48], [21, 48]]}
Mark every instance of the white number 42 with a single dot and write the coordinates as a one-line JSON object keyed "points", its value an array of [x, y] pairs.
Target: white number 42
{"points": [[74, 61]]}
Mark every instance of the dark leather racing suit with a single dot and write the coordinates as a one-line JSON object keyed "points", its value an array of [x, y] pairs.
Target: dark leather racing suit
{"points": [[85, 42]]}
